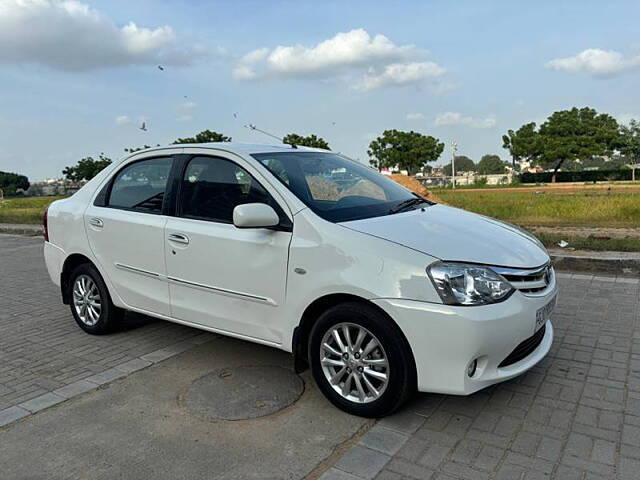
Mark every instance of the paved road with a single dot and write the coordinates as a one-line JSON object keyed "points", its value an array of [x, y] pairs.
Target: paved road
{"points": [[575, 416], [42, 349]]}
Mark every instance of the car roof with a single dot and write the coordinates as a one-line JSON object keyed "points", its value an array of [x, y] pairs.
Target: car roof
{"points": [[239, 147]]}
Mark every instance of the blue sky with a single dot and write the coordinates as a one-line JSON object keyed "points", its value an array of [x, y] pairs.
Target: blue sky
{"points": [[78, 77]]}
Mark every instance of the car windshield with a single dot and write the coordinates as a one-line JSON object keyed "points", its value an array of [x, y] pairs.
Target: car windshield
{"points": [[336, 188]]}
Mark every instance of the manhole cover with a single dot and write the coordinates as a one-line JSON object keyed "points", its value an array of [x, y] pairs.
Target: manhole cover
{"points": [[243, 392]]}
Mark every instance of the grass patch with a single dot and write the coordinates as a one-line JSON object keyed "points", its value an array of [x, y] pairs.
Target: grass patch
{"points": [[592, 208], [524, 186], [24, 210], [626, 244]]}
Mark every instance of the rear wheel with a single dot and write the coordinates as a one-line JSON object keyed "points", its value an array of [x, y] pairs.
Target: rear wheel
{"points": [[360, 360], [91, 303]]}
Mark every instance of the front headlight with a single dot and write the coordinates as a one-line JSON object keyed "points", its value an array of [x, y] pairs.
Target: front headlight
{"points": [[467, 284]]}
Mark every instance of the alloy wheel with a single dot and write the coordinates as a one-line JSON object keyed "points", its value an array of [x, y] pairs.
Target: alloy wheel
{"points": [[354, 362], [86, 300]]}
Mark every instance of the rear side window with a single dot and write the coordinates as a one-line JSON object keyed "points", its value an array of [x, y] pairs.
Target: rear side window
{"points": [[212, 187], [141, 185]]}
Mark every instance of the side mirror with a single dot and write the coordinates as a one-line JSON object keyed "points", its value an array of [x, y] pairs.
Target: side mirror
{"points": [[255, 215]]}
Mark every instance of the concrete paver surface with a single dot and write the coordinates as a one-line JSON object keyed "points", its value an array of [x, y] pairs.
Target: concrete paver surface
{"points": [[140, 427], [576, 415]]}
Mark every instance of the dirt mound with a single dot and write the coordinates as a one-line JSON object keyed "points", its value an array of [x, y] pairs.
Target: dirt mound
{"points": [[415, 186]]}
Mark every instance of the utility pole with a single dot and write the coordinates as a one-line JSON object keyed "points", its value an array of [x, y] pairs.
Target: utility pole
{"points": [[454, 149]]}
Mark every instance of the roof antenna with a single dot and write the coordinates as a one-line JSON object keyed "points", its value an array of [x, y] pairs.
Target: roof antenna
{"points": [[281, 140]]}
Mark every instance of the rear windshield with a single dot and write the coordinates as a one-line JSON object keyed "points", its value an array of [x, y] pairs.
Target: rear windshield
{"points": [[336, 188]]}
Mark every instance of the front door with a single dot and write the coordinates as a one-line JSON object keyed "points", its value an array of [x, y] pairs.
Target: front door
{"points": [[126, 235], [220, 276]]}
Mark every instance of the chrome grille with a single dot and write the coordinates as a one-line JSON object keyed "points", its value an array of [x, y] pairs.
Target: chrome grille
{"points": [[530, 281]]}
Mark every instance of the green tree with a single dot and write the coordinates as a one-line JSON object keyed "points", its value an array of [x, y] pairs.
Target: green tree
{"points": [[491, 165], [462, 163], [407, 150], [137, 149], [592, 163], [577, 134], [308, 141], [206, 136], [566, 135], [11, 182], [522, 143], [572, 166], [86, 169], [630, 141]]}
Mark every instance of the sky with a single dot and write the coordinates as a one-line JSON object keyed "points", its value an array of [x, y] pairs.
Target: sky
{"points": [[77, 77]]}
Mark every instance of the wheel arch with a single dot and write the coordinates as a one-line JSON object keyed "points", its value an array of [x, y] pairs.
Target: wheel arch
{"points": [[70, 264], [313, 311]]}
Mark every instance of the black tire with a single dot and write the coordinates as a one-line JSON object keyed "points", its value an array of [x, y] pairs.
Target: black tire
{"points": [[401, 381], [107, 317]]}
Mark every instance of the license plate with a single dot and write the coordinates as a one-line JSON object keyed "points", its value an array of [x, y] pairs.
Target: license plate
{"points": [[543, 314]]}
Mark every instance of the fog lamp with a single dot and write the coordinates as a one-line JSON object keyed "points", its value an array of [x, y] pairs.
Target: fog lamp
{"points": [[471, 369]]}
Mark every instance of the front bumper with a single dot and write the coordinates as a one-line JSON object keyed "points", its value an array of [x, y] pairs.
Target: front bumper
{"points": [[446, 339]]}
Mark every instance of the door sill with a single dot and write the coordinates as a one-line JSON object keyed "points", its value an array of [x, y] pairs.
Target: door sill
{"points": [[206, 328]]}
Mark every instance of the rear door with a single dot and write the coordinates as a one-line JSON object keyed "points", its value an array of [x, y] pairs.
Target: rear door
{"points": [[125, 226], [221, 276]]}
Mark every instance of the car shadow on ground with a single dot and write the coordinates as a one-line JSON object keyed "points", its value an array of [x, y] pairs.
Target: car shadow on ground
{"points": [[132, 321]]}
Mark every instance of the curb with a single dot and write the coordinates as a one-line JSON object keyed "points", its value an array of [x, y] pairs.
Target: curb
{"points": [[27, 230], [614, 263]]}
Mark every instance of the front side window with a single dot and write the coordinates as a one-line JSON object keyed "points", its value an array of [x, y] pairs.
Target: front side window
{"points": [[141, 185], [212, 187], [336, 188]]}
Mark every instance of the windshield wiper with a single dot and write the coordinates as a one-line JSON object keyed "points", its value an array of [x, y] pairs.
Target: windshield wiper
{"points": [[406, 204]]}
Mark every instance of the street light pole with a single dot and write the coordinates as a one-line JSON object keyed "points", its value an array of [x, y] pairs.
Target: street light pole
{"points": [[454, 149]]}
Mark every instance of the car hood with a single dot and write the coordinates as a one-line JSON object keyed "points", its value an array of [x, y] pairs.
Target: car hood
{"points": [[457, 235]]}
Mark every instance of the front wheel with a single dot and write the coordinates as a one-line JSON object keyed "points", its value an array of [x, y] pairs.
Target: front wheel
{"points": [[91, 304], [360, 360]]}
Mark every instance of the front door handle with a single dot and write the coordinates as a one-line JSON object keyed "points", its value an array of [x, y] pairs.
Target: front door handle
{"points": [[96, 222], [179, 238]]}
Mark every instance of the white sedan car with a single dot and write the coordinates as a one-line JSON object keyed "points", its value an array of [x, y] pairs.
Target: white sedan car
{"points": [[379, 291]]}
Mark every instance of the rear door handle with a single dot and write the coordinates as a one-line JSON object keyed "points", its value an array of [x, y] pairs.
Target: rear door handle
{"points": [[179, 238], [96, 222]]}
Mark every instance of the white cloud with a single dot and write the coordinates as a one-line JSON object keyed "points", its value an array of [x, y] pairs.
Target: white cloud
{"points": [[244, 72], [122, 120], [70, 35], [401, 74], [596, 62], [255, 55], [415, 116], [455, 118], [344, 55], [356, 47]]}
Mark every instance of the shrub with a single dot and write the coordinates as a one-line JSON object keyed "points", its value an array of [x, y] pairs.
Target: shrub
{"points": [[581, 176]]}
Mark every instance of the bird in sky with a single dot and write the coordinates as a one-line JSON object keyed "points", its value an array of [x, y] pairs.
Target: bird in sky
{"points": [[235, 115], [143, 127], [160, 67]]}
